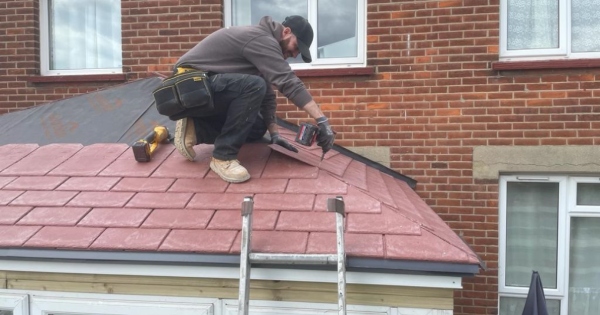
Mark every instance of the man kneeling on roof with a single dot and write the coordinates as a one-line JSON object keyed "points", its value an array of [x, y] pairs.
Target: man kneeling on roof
{"points": [[243, 63]]}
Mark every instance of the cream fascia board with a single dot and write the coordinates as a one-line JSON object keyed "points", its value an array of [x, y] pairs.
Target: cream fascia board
{"points": [[319, 276]]}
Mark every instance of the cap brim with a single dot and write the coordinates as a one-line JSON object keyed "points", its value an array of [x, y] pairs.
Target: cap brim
{"points": [[304, 51]]}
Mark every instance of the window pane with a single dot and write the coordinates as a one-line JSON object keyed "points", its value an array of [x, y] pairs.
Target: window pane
{"points": [[512, 306], [250, 12], [588, 194], [584, 273], [585, 25], [85, 34], [6, 312], [337, 34], [531, 233], [532, 24]]}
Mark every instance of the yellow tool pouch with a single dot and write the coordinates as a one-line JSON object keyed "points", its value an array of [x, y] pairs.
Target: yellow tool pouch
{"points": [[188, 89]]}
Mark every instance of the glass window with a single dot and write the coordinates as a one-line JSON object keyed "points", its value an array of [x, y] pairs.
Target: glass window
{"points": [[550, 224], [584, 271], [339, 27], [81, 37], [531, 232], [545, 29]]}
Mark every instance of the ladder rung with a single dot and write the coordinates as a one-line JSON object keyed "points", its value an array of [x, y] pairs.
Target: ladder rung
{"points": [[294, 259]]}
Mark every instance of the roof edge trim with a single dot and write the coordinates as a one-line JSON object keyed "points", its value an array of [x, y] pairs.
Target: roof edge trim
{"points": [[359, 265]]}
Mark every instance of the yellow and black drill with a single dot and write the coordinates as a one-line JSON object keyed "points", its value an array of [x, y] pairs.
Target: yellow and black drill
{"points": [[143, 148]]}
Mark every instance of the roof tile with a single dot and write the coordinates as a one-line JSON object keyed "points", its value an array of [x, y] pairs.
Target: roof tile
{"points": [[178, 219], [323, 184], [89, 183], [10, 215], [424, 247], [280, 166], [114, 217], [176, 166], [44, 198], [36, 182], [144, 184], [205, 241], [262, 242], [64, 237], [354, 201], [101, 199], [295, 202], [12, 153], [130, 239], [388, 222], [159, 200], [216, 201], [314, 221], [53, 216], [358, 245], [259, 185], [5, 180], [12, 236], [90, 160], [232, 220], [42, 160], [206, 185], [126, 165], [254, 157], [6, 196]]}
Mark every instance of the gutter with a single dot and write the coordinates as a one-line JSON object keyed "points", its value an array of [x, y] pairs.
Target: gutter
{"points": [[353, 264]]}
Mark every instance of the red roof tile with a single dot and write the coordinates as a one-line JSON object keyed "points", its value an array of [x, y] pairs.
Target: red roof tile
{"points": [[98, 197]]}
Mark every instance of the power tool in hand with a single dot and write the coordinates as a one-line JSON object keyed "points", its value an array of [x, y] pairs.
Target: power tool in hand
{"points": [[144, 148], [307, 134]]}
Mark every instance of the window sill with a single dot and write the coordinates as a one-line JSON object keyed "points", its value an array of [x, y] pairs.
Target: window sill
{"points": [[546, 64], [306, 73], [121, 77]]}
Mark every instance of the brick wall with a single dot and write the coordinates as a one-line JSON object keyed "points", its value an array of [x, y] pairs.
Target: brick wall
{"points": [[432, 98]]}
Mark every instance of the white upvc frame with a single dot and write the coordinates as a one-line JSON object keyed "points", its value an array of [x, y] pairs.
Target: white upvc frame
{"points": [[561, 265], [46, 302], [562, 52], [230, 307], [18, 303], [45, 50], [325, 63], [568, 209]]}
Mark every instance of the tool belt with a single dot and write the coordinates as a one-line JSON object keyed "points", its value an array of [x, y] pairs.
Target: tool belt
{"points": [[187, 89]]}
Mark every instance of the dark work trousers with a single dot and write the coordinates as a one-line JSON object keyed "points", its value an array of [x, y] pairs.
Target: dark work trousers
{"points": [[235, 119]]}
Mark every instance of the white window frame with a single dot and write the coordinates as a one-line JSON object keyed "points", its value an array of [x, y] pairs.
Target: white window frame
{"points": [[567, 210], [45, 50], [564, 34], [17, 303], [325, 63], [43, 303]]}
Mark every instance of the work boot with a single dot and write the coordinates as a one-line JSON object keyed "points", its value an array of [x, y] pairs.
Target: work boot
{"points": [[230, 171], [185, 137]]}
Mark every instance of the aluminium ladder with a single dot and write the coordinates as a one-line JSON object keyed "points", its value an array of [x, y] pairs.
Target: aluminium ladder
{"points": [[247, 257]]}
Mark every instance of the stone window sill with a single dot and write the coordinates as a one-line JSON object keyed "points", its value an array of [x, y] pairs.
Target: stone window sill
{"points": [[121, 77], [546, 64], [362, 71]]}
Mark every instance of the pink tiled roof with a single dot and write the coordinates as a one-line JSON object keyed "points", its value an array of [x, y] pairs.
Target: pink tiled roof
{"points": [[97, 197]]}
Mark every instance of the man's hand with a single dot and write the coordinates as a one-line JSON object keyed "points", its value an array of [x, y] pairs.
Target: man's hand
{"points": [[277, 139], [325, 136]]}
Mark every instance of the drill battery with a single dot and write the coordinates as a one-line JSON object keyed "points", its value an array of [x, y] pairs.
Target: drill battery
{"points": [[307, 133]]}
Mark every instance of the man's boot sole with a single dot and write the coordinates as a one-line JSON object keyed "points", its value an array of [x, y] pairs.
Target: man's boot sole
{"points": [[180, 129], [228, 179]]}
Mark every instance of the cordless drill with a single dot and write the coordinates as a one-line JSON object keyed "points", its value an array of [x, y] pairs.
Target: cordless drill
{"points": [[306, 135], [143, 148]]}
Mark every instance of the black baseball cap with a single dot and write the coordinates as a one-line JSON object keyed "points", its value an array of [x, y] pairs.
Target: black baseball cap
{"points": [[304, 33]]}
